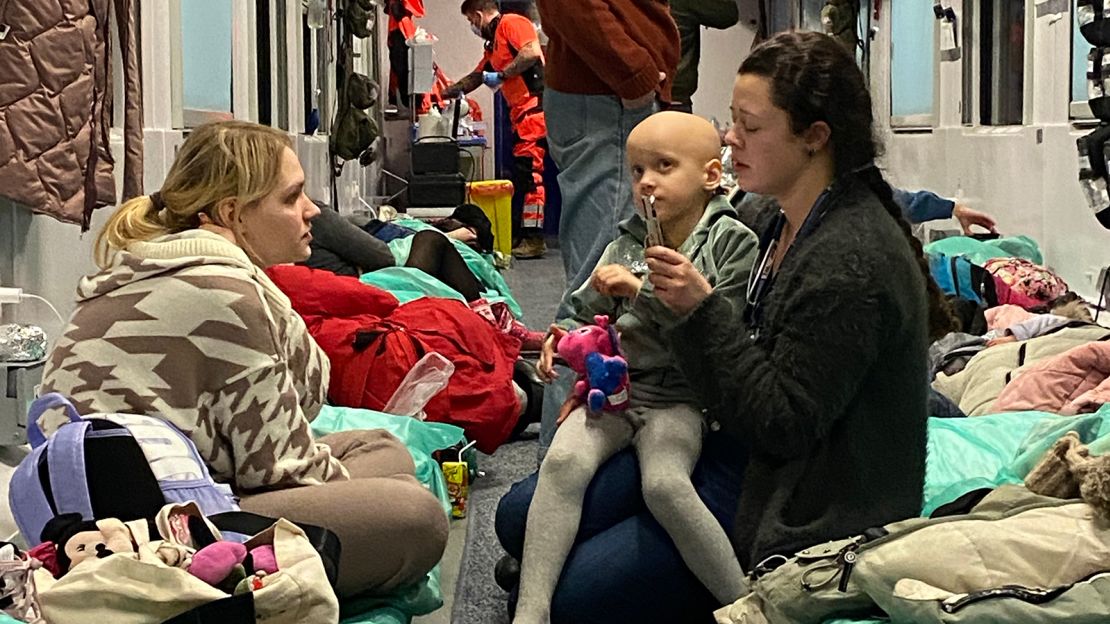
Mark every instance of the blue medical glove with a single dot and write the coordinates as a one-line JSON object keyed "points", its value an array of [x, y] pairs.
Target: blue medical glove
{"points": [[492, 79]]}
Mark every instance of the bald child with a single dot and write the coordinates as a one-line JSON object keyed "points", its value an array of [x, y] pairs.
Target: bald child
{"points": [[674, 158]]}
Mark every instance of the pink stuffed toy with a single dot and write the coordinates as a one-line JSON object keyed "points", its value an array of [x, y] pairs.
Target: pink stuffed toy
{"points": [[214, 563], [265, 559], [593, 351], [217, 563]]}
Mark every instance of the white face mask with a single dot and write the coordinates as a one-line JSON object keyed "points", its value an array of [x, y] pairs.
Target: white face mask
{"points": [[477, 31]]}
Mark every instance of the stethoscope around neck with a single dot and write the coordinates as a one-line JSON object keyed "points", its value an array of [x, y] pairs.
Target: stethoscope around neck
{"points": [[759, 281], [762, 278]]}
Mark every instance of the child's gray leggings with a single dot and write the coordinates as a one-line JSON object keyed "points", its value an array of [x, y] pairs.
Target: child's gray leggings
{"points": [[668, 442]]}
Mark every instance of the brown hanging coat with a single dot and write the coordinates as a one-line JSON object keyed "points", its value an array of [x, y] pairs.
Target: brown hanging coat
{"points": [[56, 105]]}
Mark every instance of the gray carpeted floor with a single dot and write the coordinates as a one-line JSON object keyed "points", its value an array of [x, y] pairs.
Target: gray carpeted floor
{"points": [[478, 599], [537, 286]]}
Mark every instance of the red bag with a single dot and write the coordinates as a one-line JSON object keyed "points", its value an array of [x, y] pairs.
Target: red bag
{"points": [[372, 344], [482, 399], [314, 292], [384, 352]]}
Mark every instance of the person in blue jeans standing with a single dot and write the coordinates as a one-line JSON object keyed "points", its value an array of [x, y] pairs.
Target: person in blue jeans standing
{"points": [[607, 66], [608, 63]]}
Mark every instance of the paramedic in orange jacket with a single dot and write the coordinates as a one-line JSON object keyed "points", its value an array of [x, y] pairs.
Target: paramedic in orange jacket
{"points": [[514, 61]]}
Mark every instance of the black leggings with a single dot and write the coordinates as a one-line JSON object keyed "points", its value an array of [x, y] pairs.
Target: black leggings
{"points": [[435, 254], [399, 64]]}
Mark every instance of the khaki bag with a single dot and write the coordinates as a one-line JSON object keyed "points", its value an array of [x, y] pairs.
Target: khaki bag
{"points": [[1011, 538], [139, 588], [1086, 602]]}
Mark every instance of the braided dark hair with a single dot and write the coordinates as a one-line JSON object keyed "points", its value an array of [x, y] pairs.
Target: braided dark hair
{"points": [[814, 78]]}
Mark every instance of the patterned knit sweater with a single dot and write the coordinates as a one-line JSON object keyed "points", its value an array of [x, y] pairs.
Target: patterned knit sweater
{"points": [[185, 327]]}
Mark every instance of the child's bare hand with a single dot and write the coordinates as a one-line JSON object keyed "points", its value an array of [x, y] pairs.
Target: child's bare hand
{"points": [[614, 280], [546, 363], [678, 284]]}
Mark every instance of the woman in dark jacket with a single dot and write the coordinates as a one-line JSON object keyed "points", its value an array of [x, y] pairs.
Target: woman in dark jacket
{"points": [[819, 375], [820, 378]]}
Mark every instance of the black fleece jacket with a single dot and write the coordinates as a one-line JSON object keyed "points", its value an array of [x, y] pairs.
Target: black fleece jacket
{"points": [[828, 398]]}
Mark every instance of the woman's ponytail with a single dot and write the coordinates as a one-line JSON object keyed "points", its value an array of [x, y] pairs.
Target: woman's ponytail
{"points": [[137, 219]]}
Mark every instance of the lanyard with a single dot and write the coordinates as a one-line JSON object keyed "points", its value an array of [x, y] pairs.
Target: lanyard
{"points": [[762, 278]]}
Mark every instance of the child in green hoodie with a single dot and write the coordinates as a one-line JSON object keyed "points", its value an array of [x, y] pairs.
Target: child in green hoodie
{"points": [[674, 159]]}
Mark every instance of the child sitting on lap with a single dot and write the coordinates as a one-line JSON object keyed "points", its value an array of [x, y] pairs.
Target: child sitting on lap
{"points": [[674, 157]]}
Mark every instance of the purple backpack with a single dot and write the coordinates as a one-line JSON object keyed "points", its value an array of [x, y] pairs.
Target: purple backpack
{"points": [[122, 466]]}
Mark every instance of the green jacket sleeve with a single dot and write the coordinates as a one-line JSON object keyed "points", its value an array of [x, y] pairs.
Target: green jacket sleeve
{"points": [[587, 302]]}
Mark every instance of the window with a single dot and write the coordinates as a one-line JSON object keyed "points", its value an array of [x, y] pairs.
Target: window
{"points": [[279, 55], [1079, 50], [912, 63], [778, 15], [967, 79], [205, 61], [1002, 63]]}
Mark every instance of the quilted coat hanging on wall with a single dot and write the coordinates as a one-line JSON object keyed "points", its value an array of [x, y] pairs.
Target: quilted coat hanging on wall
{"points": [[56, 105]]}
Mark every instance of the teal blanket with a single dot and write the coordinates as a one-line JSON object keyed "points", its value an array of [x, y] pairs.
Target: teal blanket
{"points": [[963, 454], [966, 454], [422, 439], [407, 284], [979, 252]]}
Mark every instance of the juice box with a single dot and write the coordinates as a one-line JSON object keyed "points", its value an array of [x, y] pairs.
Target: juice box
{"points": [[457, 474]]}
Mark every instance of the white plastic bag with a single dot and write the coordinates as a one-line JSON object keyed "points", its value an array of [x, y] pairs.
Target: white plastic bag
{"points": [[425, 380], [17, 585]]}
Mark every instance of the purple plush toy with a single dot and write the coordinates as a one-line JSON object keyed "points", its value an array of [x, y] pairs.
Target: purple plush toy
{"points": [[593, 351]]}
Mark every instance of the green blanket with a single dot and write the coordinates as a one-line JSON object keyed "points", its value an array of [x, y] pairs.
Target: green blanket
{"points": [[966, 454], [979, 252], [422, 439], [963, 454], [396, 280]]}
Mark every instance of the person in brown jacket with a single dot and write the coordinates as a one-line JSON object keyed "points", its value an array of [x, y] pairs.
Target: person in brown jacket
{"points": [[608, 62]]}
